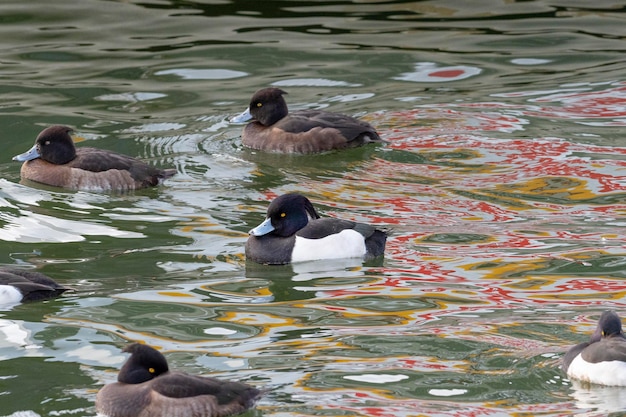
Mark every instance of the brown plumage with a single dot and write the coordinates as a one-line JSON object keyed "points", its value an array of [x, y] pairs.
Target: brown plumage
{"points": [[274, 129], [54, 160], [147, 388]]}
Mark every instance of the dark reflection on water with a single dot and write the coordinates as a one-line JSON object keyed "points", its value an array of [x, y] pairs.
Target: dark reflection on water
{"points": [[501, 186]]}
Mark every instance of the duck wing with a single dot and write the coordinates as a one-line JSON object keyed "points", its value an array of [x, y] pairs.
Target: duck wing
{"points": [[320, 228], [181, 385], [10, 275], [33, 285], [572, 353], [608, 349], [349, 127], [99, 160]]}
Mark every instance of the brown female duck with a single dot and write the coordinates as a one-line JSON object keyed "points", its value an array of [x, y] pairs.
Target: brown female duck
{"points": [[274, 129], [54, 160], [146, 387]]}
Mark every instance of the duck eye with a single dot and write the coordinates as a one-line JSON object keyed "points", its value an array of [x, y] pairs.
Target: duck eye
{"points": [[151, 370], [259, 104], [283, 214], [47, 142]]}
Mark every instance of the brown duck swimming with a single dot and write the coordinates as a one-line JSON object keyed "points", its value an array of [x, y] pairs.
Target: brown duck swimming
{"points": [[54, 160], [274, 129], [146, 387]]}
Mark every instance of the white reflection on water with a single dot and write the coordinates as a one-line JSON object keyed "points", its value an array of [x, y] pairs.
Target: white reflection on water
{"points": [[203, 74], [32, 227], [197, 292], [530, 61], [376, 378], [130, 97], [338, 268], [601, 399], [91, 353], [14, 335], [313, 82], [154, 127], [446, 392], [221, 331], [27, 413], [350, 97]]}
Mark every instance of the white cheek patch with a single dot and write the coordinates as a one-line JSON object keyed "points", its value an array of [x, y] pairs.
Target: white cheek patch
{"points": [[346, 244], [9, 295], [611, 373]]}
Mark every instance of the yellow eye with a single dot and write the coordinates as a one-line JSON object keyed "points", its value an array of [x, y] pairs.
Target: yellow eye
{"points": [[283, 214], [259, 104], [151, 370]]}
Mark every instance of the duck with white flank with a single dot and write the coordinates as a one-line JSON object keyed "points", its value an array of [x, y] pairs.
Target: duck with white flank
{"points": [[601, 360]]}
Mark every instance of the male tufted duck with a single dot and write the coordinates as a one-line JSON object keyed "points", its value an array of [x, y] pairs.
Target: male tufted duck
{"points": [[54, 160], [294, 232], [21, 285], [274, 129], [601, 360]]}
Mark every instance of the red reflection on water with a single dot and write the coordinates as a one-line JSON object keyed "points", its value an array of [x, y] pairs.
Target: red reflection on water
{"points": [[481, 225], [473, 198], [589, 104]]}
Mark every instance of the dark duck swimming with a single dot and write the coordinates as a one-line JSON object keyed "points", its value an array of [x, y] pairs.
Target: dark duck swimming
{"points": [[294, 232], [54, 160], [146, 387], [275, 129], [601, 360], [21, 285]]}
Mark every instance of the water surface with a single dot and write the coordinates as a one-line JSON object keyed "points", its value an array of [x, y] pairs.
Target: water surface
{"points": [[502, 187]]}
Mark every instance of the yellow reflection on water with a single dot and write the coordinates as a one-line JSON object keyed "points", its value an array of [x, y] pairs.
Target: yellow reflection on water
{"points": [[175, 294], [561, 187]]}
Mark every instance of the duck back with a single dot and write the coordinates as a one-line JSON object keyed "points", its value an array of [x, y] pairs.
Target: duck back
{"points": [[33, 286], [177, 394], [306, 132]]}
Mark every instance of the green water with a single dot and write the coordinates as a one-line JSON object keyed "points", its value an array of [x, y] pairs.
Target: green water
{"points": [[501, 187]]}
